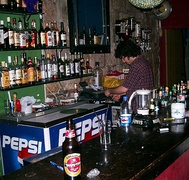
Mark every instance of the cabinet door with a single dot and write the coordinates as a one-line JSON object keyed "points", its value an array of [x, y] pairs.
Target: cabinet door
{"points": [[89, 26]]}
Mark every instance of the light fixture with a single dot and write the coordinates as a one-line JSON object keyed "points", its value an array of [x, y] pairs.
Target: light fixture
{"points": [[146, 4]]}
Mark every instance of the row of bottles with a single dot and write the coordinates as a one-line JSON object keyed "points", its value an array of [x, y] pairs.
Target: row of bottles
{"points": [[89, 37], [21, 5], [15, 36], [164, 97], [25, 70], [130, 28]]}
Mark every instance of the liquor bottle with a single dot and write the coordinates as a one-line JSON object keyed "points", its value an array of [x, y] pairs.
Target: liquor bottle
{"points": [[48, 36], [19, 5], [62, 35], [10, 34], [76, 65], [125, 116], [41, 34], [43, 68], [39, 6], [71, 60], [90, 39], [24, 7], [37, 70], [1, 34], [34, 34], [6, 37], [4, 4], [17, 71], [152, 106], [82, 65], [22, 35], [98, 75], [54, 67], [82, 38], [12, 4], [76, 92], [49, 67], [11, 72], [60, 65], [67, 66], [55, 34], [4, 74], [30, 71], [16, 34], [187, 96], [24, 70], [88, 67], [180, 96], [94, 35], [71, 153]]}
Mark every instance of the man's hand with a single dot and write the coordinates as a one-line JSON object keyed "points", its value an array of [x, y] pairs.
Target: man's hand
{"points": [[116, 97]]}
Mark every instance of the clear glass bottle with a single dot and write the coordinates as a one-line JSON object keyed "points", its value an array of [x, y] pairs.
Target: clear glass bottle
{"points": [[10, 33], [98, 76], [62, 35], [11, 72], [18, 73]]}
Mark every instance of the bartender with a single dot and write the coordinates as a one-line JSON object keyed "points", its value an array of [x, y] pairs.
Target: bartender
{"points": [[140, 74]]}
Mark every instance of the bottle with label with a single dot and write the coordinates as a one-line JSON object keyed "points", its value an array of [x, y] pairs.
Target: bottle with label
{"points": [[19, 5], [88, 67], [61, 65], [12, 4], [48, 36], [22, 35], [43, 68], [4, 74], [62, 35], [98, 75], [67, 66], [152, 106], [31, 72], [71, 153], [72, 70], [54, 67], [17, 71], [1, 34], [125, 116], [4, 4], [24, 70], [11, 72], [10, 34], [76, 65], [16, 34], [41, 34], [76, 92], [49, 68], [34, 35], [37, 70], [82, 37], [82, 65], [39, 6], [6, 37], [55, 34]]}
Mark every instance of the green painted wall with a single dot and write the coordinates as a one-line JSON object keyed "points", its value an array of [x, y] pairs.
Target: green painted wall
{"points": [[37, 92]]}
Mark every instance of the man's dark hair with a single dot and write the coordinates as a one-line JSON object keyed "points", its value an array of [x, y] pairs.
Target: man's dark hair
{"points": [[127, 49]]}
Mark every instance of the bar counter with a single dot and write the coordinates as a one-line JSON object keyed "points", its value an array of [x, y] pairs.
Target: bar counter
{"points": [[135, 153]]}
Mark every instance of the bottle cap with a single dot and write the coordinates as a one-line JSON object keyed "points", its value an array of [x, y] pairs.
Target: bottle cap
{"points": [[125, 98]]}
